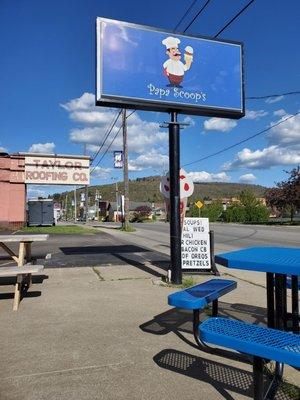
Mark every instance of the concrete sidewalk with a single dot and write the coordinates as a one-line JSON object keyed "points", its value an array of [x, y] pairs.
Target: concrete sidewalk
{"points": [[108, 333]]}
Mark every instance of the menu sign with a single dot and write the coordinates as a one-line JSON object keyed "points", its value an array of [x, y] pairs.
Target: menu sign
{"points": [[195, 244]]}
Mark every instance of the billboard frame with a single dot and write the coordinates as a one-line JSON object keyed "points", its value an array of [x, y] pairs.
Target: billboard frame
{"points": [[157, 105]]}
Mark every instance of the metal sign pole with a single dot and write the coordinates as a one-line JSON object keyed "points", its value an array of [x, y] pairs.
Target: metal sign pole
{"points": [[175, 229]]}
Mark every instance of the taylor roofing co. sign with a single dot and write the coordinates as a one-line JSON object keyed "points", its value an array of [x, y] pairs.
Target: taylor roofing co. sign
{"points": [[56, 169], [147, 68]]}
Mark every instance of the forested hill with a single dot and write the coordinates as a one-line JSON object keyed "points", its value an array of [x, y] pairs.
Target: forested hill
{"points": [[147, 189]]}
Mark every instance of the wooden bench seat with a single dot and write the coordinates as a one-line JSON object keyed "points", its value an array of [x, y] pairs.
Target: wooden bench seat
{"points": [[14, 270]]}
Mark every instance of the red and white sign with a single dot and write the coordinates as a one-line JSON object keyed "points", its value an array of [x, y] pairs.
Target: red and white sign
{"points": [[186, 190], [186, 185], [57, 170]]}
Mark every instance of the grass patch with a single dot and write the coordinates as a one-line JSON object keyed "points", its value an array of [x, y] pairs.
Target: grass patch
{"points": [[60, 230], [97, 272], [188, 282], [128, 229]]}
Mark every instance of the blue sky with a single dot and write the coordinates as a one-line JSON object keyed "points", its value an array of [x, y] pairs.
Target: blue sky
{"points": [[47, 81]]}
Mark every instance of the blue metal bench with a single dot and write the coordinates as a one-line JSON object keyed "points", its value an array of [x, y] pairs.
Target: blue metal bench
{"points": [[198, 297], [262, 343]]}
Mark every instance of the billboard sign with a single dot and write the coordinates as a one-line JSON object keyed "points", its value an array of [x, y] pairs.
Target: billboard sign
{"points": [[147, 68], [57, 170]]}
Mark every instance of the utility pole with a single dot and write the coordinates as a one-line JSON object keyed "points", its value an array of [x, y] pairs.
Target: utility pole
{"points": [[96, 205], [97, 201], [125, 169], [75, 205], [117, 201], [66, 207], [86, 193]]}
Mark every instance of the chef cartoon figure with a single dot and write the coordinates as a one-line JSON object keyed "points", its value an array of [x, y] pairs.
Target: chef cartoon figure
{"points": [[174, 69]]}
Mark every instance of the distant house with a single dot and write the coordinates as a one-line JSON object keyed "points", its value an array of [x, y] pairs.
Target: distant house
{"points": [[114, 212]]}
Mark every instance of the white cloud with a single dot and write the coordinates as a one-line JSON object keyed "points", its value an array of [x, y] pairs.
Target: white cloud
{"points": [[271, 100], [287, 133], [203, 176], [142, 135], [266, 158], [3, 149], [247, 178], [219, 124], [101, 173], [85, 102], [42, 148], [189, 120], [283, 146], [255, 114], [280, 112], [92, 117], [149, 160]]}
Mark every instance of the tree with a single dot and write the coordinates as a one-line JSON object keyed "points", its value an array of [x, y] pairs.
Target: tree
{"points": [[235, 213], [212, 211], [276, 200], [247, 209], [286, 196], [141, 214]]}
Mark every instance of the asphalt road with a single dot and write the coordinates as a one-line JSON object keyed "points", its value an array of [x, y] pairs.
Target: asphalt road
{"points": [[227, 236], [90, 250], [149, 244]]}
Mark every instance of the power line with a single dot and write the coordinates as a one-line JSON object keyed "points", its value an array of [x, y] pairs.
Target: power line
{"points": [[242, 141], [186, 13], [103, 155], [273, 95], [234, 18], [113, 123], [131, 114], [197, 15]]}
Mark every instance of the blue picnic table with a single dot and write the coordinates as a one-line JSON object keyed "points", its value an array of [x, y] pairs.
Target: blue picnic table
{"points": [[282, 268], [279, 264]]}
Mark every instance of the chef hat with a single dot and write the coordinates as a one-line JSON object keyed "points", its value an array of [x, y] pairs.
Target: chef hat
{"points": [[170, 42]]}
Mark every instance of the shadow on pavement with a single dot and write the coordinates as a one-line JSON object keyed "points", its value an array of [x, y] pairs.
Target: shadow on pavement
{"points": [[181, 321], [141, 265], [103, 249], [221, 376], [35, 279], [175, 320], [25, 294], [11, 280]]}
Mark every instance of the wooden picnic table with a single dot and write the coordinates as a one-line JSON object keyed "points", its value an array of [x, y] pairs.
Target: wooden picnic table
{"points": [[24, 246], [24, 255]]}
